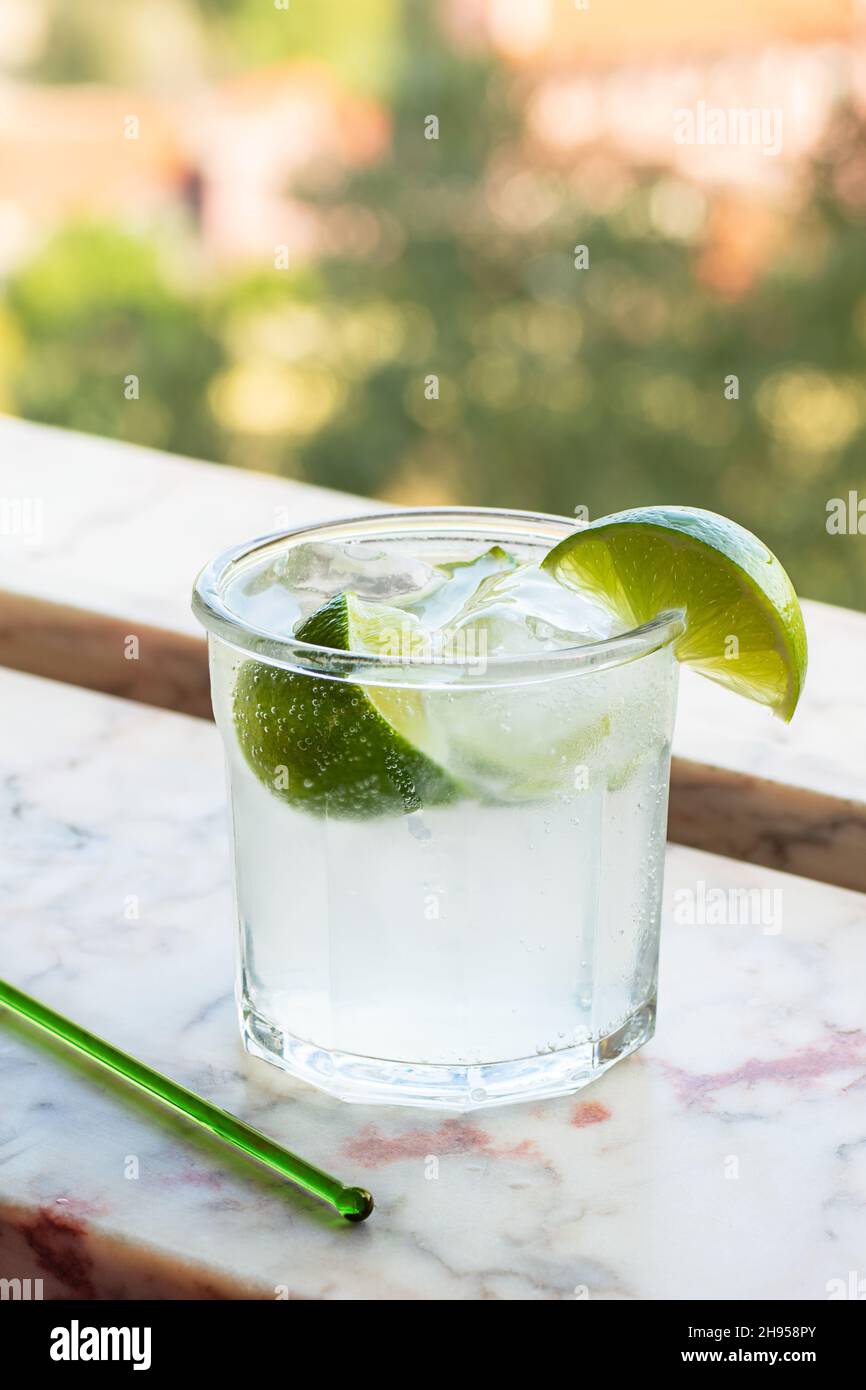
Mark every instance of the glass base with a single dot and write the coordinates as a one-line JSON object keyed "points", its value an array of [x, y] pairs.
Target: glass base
{"points": [[374, 1081]]}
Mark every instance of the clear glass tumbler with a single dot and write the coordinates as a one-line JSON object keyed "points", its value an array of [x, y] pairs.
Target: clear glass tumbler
{"points": [[453, 951]]}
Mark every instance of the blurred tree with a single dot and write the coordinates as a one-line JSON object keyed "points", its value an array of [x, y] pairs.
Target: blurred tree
{"points": [[604, 387], [94, 308], [108, 40], [453, 258]]}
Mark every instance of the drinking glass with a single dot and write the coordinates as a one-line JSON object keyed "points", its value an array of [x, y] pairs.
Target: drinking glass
{"points": [[451, 952]]}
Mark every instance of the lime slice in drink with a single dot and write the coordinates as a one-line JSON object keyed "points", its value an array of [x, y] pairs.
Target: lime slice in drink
{"points": [[331, 746], [744, 627]]}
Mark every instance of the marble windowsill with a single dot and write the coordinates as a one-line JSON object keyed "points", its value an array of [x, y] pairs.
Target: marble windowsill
{"points": [[727, 1155], [122, 531]]}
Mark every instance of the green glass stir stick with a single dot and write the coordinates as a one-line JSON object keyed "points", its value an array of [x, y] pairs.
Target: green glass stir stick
{"points": [[354, 1203]]}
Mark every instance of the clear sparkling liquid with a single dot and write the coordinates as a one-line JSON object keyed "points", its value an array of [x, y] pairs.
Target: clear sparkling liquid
{"points": [[517, 923]]}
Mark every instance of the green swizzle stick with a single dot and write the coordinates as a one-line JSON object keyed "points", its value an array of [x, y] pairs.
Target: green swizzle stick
{"points": [[354, 1203]]}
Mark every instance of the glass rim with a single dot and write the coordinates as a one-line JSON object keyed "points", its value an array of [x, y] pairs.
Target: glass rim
{"points": [[212, 611]]}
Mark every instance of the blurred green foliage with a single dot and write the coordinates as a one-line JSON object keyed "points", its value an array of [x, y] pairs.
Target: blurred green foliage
{"points": [[96, 308], [96, 40], [558, 387]]}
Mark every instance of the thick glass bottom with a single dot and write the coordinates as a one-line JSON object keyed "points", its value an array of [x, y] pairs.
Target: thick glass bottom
{"points": [[376, 1081]]}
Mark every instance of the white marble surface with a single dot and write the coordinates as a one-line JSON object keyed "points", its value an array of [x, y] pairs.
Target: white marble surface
{"points": [[628, 1190], [123, 530]]}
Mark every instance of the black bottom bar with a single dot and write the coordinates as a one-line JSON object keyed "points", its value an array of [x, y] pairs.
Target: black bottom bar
{"points": [[71, 1338]]}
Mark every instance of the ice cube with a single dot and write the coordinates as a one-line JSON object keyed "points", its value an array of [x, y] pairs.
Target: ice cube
{"points": [[516, 742], [527, 610], [280, 593], [459, 581], [371, 570]]}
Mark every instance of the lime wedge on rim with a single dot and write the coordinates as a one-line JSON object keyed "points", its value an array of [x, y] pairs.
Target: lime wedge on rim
{"points": [[332, 746], [743, 623]]}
